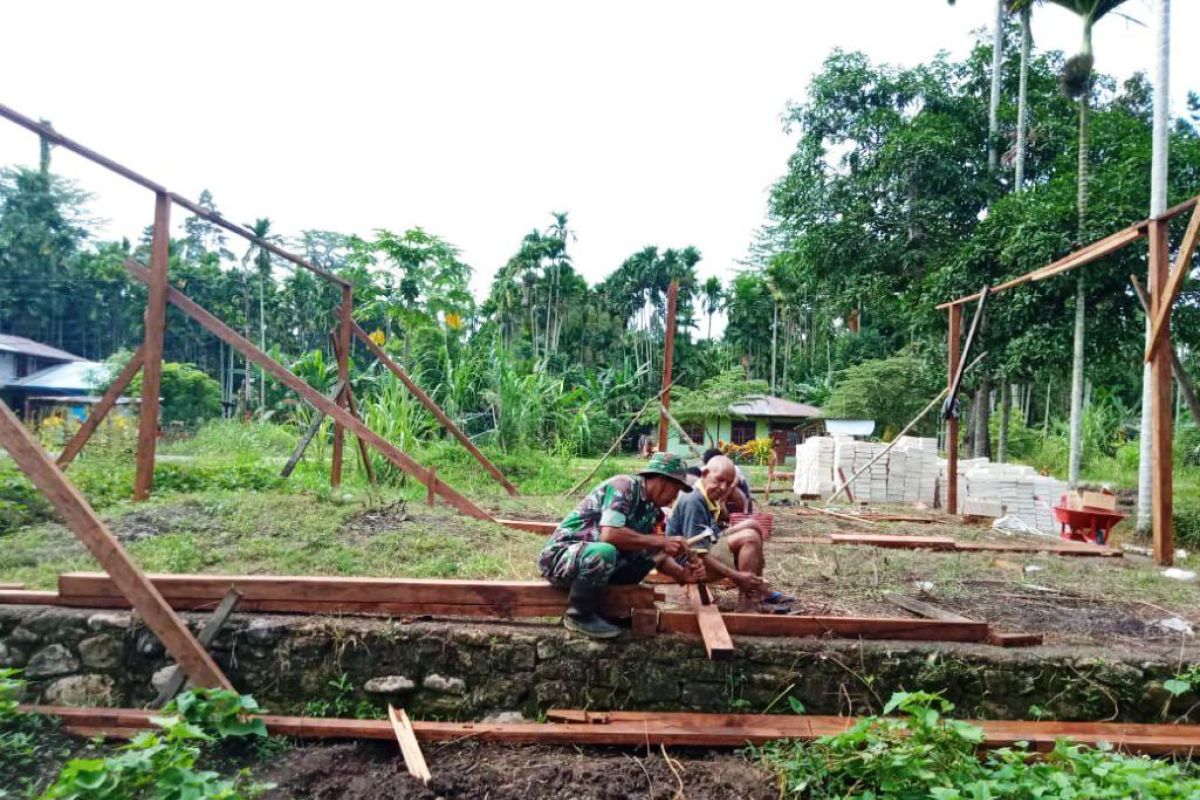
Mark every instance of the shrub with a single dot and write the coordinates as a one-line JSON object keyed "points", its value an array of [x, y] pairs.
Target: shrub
{"points": [[189, 396]]}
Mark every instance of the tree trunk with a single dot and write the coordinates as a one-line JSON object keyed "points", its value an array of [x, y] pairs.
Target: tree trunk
{"points": [[1076, 447], [1023, 99], [1005, 411], [1160, 140], [982, 448], [994, 101]]}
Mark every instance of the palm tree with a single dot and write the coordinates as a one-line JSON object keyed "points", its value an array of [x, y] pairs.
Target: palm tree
{"points": [[1024, 9], [714, 296], [994, 99], [1077, 82], [1158, 204]]}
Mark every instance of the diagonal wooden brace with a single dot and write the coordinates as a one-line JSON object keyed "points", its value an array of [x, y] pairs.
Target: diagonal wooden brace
{"points": [[1170, 293], [100, 411]]}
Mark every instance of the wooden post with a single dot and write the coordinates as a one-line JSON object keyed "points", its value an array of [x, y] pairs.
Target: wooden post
{"points": [[431, 497], [1159, 288], [668, 357], [132, 582], [309, 434], [343, 362], [101, 409], [152, 348], [952, 349]]}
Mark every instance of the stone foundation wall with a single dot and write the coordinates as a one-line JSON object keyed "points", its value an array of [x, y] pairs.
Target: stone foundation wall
{"points": [[457, 671]]}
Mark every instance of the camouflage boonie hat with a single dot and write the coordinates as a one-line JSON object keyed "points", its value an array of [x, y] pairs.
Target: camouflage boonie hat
{"points": [[668, 465]]}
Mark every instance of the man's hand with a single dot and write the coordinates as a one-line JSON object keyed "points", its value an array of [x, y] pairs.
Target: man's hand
{"points": [[696, 571], [674, 546], [748, 581]]}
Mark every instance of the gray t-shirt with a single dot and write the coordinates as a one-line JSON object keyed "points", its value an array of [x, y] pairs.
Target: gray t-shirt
{"points": [[691, 516]]}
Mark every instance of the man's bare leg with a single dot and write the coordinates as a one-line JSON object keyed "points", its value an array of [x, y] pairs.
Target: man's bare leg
{"points": [[746, 545]]}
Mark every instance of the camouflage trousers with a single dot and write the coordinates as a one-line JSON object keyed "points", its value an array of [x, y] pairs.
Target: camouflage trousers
{"points": [[598, 563]]}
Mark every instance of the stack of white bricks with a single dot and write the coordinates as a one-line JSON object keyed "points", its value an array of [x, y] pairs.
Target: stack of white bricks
{"points": [[911, 472]]}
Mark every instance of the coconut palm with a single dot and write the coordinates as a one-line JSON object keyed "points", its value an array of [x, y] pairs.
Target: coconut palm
{"points": [[1077, 83], [1024, 10], [260, 257], [713, 296]]}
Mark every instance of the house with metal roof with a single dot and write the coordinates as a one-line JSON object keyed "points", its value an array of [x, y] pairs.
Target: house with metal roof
{"points": [[69, 388], [785, 422], [20, 357]]}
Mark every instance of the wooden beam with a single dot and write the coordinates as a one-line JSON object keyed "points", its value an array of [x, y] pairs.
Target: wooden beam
{"points": [[152, 349], [414, 761], [949, 544], [953, 343], [668, 359], [364, 453], [1085, 255], [922, 630], [712, 628], [212, 626], [434, 409], [310, 395], [923, 609], [101, 409], [342, 352], [638, 729], [28, 597], [1181, 377], [1168, 291], [320, 589], [896, 542], [1160, 289], [104, 547], [531, 525], [306, 439]]}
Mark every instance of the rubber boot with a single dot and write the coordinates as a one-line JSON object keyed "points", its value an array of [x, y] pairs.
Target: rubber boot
{"points": [[581, 615]]}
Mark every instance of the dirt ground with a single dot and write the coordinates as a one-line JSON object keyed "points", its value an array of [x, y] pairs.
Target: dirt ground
{"points": [[357, 771]]}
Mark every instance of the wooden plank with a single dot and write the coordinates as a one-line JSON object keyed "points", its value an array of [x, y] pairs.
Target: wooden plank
{"points": [[1158, 287], [434, 409], [326, 590], [101, 409], [923, 609], [921, 630], [28, 597], [212, 627], [712, 629], [898, 542], [414, 760], [668, 361], [4, 585], [1059, 548], [1085, 255], [1168, 290], [644, 622], [953, 355], [104, 547], [838, 515], [152, 349], [306, 439], [310, 395], [623, 728], [1015, 639], [530, 525]]}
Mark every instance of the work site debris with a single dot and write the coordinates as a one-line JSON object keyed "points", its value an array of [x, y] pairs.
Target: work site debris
{"points": [[1179, 574]]}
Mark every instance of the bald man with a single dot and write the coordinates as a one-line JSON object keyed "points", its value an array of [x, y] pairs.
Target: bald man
{"points": [[737, 553]]}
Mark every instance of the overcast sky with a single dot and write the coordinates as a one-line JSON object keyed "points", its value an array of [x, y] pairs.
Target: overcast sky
{"points": [[650, 122]]}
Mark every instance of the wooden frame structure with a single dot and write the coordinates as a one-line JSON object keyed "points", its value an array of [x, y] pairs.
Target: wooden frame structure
{"points": [[1162, 287]]}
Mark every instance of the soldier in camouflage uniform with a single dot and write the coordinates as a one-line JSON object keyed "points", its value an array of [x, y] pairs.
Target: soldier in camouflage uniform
{"points": [[612, 537]]}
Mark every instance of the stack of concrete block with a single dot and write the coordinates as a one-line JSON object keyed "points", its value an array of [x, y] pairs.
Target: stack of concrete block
{"points": [[913, 475], [814, 467], [851, 456], [1020, 489]]}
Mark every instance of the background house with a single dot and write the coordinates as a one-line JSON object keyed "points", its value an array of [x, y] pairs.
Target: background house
{"points": [[20, 357], [65, 388], [785, 422]]}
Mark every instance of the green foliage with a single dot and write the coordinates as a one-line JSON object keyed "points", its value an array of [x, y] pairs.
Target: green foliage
{"points": [[20, 503], [235, 440], [713, 397], [890, 391], [161, 765], [189, 396], [220, 713], [924, 755]]}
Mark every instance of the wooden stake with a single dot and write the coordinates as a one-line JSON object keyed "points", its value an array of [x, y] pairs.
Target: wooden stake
{"points": [[668, 358], [212, 626], [712, 627], [434, 409], [1159, 289], [310, 395], [342, 351], [952, 358], [431, 498], [308, 436], [133, 584], [923, 609], [414, 760], [101, 409], [152, 348]]}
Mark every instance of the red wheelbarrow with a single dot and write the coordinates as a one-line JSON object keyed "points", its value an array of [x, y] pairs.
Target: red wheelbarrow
{"points": [[1086, 524]]}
